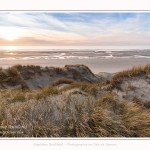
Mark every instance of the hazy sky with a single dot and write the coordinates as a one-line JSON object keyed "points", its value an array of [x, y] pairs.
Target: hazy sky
{"points": [[74, 29]]}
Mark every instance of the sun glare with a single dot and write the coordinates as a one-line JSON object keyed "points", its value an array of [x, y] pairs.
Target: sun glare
{"points": [[10, 33], [10, 48]]}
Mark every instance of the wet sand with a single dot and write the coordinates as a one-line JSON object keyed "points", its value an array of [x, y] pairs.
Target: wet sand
{"points": [[96, 65]]}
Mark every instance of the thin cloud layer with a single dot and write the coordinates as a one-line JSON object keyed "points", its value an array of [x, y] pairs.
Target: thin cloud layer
{"points": [[71, 28]]}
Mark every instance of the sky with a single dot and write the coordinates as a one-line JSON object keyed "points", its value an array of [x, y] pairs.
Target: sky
{"points": [[74, 28]]}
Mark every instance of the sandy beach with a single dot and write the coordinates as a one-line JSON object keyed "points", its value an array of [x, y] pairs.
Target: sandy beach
{"points": [[96, 65]]}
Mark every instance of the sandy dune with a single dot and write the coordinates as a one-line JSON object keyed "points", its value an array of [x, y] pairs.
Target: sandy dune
{"points": [[37, 77]]}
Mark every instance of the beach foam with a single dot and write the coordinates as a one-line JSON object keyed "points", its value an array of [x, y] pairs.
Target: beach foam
{"points": [[24, 55], [105, 61]]}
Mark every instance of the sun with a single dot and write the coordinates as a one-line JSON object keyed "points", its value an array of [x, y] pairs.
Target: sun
{"points": [[10, 33]]}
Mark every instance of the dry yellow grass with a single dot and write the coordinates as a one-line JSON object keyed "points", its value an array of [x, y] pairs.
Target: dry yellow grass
{"points": [[50, 113], [11, 77], [117, 79], [62, 81], [83, 86], [67, 117]]}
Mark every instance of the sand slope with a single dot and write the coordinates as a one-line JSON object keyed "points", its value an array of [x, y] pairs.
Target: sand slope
{"points": [[137, 87], [108, 105], [36, 77]]}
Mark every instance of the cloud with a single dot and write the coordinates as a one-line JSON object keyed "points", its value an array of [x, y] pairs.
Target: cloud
{"points": [[64, 28], [31, 20]]}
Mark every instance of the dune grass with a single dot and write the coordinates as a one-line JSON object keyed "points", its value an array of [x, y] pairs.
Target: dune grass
{"points": [[51, 112], [32, 67], [147, 69], [28, 68], [11, 77], [104, 117], [45, 92], [79, 65], [117, 79], [62, 81], [3, 75], [83, 86]]}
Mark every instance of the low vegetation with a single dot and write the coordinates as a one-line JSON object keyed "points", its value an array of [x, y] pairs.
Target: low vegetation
{"points": [[104, 117], [87, 111], [83, 86], [62, 81], [11, 77], [117, 79], [78, 65], [32, 67], [45, 92], [29, 69]]}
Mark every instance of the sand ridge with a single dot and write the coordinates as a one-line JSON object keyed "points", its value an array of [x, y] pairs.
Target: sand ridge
{"points": [[36, 77]]}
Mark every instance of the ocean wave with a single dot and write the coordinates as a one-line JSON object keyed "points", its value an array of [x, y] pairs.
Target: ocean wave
{"points": [[23, 55], [9, 58], [140, 56]]}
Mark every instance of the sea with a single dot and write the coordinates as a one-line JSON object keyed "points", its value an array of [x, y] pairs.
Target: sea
{"points": [[73, 52]]}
